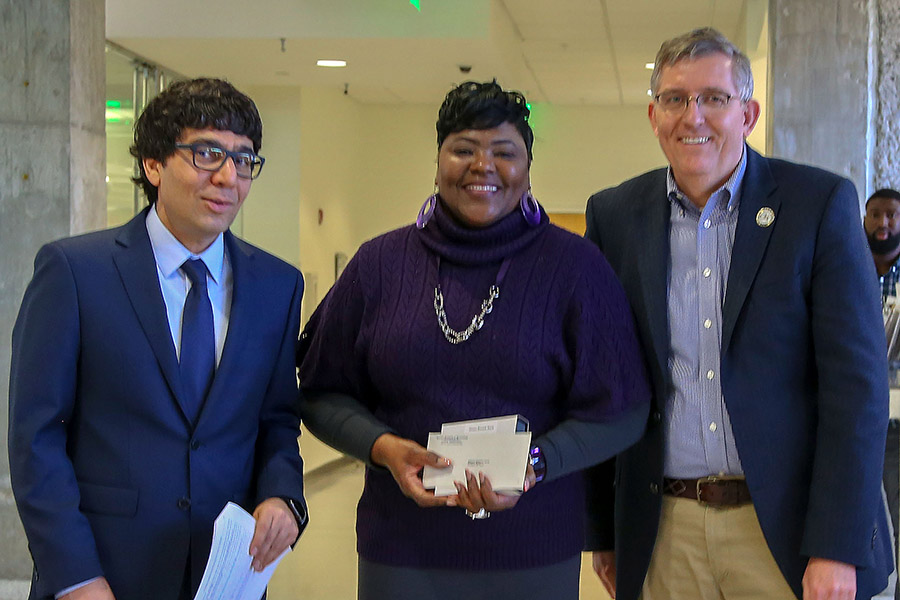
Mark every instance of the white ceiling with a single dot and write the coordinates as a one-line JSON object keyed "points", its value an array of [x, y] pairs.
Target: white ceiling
{"points": [[566, 52]]}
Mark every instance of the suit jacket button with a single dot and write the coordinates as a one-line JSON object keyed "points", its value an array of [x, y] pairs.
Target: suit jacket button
{"points": [[183, 503], [656, 417], [654, 489], [195, 444]]}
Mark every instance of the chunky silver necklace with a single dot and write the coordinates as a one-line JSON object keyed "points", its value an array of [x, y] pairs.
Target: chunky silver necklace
{"points": [[487, 305]]}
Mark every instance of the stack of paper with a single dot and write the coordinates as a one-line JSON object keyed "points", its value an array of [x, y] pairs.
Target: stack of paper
{"points": [[497, 447], [228, 574]]}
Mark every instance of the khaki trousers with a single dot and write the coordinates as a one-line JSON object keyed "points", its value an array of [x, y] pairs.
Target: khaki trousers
{"points": [[707, 553]]}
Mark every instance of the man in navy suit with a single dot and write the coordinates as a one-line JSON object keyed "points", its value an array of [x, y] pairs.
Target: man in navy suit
{"points": [[759, 473], [153, 375]]}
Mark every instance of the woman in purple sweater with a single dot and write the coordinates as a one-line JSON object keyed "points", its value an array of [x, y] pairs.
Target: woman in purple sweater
{"points": [[480, 309]]}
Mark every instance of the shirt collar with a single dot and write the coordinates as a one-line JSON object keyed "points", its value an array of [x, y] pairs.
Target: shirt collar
{"points": [[895, 269], [170, 253], [730, 187]]}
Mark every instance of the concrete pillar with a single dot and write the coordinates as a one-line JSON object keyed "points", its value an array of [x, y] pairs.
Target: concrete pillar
{"points": [[886, 155], [52, 169], [820, 84], [833, 87]]}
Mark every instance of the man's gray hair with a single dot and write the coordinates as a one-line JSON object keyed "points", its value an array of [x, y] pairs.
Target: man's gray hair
{"points": [[702, 42]]}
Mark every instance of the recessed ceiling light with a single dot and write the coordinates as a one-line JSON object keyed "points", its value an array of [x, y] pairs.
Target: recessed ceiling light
{"points": [[648, 65], [331, 63]]}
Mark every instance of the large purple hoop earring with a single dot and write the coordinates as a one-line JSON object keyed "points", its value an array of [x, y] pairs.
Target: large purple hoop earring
{"points": [[531, 210], [426, 211]]}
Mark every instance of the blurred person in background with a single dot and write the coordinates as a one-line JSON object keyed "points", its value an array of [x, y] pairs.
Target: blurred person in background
{"points": [[882, 226]]}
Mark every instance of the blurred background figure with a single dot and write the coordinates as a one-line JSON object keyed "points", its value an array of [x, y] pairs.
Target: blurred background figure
{"points": [[882, 225]]}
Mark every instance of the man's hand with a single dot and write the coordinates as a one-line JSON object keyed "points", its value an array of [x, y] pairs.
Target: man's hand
{"points": [[605, 568], [95, 590], [276, 529], [405, 459], [829, 580]]}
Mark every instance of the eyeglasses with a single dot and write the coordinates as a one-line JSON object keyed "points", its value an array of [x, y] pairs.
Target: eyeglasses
{"points": [[247, 165], [677, 102]]}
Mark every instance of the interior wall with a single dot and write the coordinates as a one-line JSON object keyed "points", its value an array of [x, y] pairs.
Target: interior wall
{"points": [[757, 138], [755, 25], [758, 52], [580, 150], [271, 213], [330, 153], [398, 166]]}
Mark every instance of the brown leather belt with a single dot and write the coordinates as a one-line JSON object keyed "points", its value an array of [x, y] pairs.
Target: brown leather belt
{"points": [[714, 491]]}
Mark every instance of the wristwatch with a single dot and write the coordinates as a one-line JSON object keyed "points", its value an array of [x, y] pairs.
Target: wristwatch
{"points": [[299, 512], [537, 463]]}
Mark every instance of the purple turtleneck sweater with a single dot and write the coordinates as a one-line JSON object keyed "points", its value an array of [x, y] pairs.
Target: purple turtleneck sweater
{"points": [[558, 346]]}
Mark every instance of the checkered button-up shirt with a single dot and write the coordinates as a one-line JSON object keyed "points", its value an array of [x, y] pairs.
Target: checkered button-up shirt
{"points": [[888, 282]]}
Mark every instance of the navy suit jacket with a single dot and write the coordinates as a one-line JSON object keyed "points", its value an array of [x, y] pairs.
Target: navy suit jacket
{"points": [[110, 476], [803, 364]]}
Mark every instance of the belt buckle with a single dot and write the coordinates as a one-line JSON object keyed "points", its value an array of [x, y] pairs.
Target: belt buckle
{"points": [[701, 482]]}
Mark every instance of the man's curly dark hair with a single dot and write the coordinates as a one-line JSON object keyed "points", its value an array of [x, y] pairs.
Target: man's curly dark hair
{"points": [[196, 104]]}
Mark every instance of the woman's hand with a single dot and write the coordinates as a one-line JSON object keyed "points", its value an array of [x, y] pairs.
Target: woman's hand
{"points": [[405, 459], [476, 494]]}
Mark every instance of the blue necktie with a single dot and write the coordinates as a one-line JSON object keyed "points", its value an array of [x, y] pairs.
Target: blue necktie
{"points": [[198, 339]]}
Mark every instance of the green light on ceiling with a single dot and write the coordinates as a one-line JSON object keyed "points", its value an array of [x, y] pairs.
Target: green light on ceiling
{"points": [[113, 104], [417, 4]]}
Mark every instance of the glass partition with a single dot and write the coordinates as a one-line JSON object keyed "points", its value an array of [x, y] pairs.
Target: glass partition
{"points": [[131, 82]]}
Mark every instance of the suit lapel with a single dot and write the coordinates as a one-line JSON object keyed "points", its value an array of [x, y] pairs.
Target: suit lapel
{"points": [[750, 239], [134, 260], [652, 219], [241, 317]]}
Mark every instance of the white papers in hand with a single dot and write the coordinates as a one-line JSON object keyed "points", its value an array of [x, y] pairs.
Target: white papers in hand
{"points": [[507, 424], [502, 457], [228, 574]]}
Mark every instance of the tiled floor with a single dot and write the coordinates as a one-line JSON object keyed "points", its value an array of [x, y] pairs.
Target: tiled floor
{"points": [[323, 565]]}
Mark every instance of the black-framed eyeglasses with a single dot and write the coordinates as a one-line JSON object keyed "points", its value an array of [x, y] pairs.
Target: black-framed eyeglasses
{"points": [[207, 157], [676, 102]]}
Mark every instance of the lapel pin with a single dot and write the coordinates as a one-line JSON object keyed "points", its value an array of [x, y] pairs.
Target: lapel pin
{"points": [[765, 216]]}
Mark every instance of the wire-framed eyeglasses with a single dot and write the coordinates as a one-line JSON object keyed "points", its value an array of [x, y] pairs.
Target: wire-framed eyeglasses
{"points": [[207, 157], [677, 102]]}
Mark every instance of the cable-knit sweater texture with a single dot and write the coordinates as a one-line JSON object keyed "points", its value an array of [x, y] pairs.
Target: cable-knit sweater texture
{"points": [[559, 344]]}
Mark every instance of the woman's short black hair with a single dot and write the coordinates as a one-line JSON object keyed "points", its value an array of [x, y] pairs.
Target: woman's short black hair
{"points": [[195, 104], [473, 105]]}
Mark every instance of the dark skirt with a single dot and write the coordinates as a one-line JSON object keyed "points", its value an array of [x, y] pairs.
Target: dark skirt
{"points": [[554, 582]]}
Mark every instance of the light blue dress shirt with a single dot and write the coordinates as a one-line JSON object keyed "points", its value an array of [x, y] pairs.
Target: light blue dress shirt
{"points": [[699, 438], [175, 285]]}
